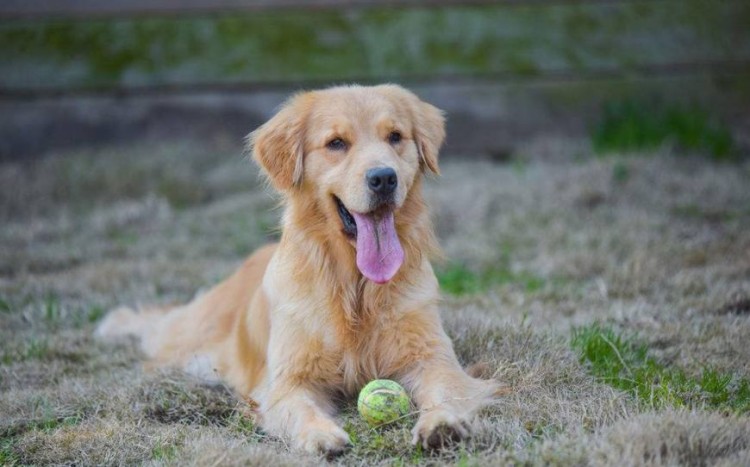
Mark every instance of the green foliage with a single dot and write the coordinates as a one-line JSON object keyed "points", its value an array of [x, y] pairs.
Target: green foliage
{"points": [[36, 349], [95, 313], [457, 279], [383, 443], [7, 455], [242, 424], [351, 430], [49, 421], [52, 309], [164, 452], [52, 423], [56, 315], [324, 44], [33, 349], [632, 126], [465, 460], [82, 317], [4, 306], [624, 363]]}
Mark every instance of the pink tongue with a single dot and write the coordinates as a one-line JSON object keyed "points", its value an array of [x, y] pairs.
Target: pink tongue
{"points": [[379, 253]]}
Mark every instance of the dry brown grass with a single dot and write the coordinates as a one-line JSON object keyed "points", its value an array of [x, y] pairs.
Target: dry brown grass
{"points": [[658, 246]]}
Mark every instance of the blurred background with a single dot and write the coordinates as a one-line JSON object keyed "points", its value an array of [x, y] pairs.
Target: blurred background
{"points": [[76, 73]]}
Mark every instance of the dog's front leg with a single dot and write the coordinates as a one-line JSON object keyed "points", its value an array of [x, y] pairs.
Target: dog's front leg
{"points": [[446, 396], [305, 415]]}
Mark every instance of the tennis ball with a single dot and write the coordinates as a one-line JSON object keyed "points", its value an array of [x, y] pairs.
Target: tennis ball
{"points": [[382, 401]]}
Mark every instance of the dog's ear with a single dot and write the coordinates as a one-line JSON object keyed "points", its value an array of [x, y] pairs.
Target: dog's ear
{"points": [[429, 134], [428, 126], [278, 146]]}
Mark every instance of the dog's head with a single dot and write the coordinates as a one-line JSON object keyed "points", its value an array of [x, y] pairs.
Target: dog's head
{"points": [[353, 155]]}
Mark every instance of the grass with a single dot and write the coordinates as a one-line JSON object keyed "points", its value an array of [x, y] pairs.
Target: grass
{"points": [[7, 455], [459, 279], [620, 172], [164, 452], [172, 402], [46, 423], [387, 443], [631, 126], [33, 349], [624, 363], [112, 175], [83, 316], [652, 246], [52, 310]]}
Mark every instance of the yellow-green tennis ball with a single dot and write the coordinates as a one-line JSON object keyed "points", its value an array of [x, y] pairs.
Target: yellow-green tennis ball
{"points": [[382, 401]]}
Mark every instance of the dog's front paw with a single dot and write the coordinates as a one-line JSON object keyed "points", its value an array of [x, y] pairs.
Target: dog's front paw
{"points": [[323, 437], [439, 428]]}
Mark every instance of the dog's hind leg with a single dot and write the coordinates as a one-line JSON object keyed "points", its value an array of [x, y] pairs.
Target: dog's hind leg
{"points": [[182, 336]]}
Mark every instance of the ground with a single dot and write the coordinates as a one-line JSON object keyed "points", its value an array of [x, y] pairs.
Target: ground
{"points": [[611, 295]]}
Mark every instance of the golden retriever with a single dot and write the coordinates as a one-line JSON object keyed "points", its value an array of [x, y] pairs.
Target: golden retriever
{"points": [[348, 294]]}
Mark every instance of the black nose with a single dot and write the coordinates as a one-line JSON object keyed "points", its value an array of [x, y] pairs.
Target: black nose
{"points": [[383, 180]]}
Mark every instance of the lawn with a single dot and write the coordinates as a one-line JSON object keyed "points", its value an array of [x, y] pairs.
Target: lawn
{"points": [[610, 294]]}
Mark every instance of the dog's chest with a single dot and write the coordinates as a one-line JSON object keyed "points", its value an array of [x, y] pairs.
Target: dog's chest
{"points": [[372, 354], [358, 367], [381, 341]]}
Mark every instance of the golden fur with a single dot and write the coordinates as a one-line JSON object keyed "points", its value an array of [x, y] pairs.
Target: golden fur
{"points": [[298, 325]]}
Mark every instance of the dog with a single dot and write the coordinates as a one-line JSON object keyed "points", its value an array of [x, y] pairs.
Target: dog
{"points": [[347, 295]]}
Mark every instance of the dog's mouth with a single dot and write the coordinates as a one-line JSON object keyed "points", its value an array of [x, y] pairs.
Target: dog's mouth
{"points": [[350, 226], [379, 251]]}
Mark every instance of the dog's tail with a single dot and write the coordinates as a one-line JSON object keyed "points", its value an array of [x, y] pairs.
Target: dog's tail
{"points": [[123, 321]]}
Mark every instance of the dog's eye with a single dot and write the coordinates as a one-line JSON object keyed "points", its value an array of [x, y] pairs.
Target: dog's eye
{"points": [[394, 137], [336, 144]]}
